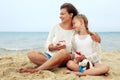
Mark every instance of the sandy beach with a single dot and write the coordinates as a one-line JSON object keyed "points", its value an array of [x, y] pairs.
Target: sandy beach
{"points": [[9, 63]]}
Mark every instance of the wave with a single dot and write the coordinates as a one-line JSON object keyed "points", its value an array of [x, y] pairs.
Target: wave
{"points": [[17, 49], [14, 49]]}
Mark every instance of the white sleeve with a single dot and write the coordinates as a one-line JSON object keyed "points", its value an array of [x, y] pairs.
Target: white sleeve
{"points": [[96, 55], [73, 45], [50, 37]]}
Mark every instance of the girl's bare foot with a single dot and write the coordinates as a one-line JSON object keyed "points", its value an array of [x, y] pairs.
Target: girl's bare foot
{"points": [[68, 72]]}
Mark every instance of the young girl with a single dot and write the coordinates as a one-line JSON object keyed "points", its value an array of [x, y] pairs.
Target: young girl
{"points": [[85, 48]]}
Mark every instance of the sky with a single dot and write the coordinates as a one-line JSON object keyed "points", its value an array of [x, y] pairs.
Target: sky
{"points": [[42, 15]]}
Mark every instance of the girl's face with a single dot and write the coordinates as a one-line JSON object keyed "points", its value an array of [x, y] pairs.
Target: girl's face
{"points": [[64, 15], [77, 24]]}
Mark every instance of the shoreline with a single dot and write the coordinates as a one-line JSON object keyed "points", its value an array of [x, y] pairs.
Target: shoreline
{"points": [[9, 63], [43, 50]]}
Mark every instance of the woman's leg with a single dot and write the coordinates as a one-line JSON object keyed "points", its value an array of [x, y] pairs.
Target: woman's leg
{"points": [[59, 59], [37, 58]]}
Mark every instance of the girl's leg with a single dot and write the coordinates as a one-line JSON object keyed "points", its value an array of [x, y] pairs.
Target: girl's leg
{"points": [[72, 65], [98, 69]]}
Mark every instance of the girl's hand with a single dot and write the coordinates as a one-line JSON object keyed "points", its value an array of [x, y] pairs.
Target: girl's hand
{"points": [[80, 58], [83, 57]]}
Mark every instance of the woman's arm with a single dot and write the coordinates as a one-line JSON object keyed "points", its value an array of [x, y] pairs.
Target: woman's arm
{"points": [[96, 37], [52, 47], [50, 38]]}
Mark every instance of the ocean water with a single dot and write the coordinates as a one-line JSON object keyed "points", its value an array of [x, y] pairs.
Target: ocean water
{"points": [[110, 41], [18, 42]]}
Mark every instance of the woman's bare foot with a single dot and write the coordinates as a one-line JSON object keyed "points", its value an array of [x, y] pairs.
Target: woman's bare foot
{"points": [[31, 70]]}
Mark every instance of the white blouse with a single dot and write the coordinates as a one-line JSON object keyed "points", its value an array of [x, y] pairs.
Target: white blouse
{"points": [[58, 34], [87, 47]]}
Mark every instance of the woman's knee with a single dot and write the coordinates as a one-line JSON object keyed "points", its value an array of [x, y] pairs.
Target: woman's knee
{"points": [[64, 52], [30, 54]]}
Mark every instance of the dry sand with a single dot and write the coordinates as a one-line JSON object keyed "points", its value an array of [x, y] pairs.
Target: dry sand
{"points": [[9, 63]]}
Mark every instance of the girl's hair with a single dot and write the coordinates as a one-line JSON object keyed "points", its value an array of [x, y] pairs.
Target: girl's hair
{"points": [[82, 16], [70, 8]]}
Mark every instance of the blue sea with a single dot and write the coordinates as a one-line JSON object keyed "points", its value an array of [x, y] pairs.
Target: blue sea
{"points": [[18, 42]]}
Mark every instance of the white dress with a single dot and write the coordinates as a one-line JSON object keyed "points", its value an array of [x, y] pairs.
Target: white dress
{"points": [[59, 34], [87, 47]]}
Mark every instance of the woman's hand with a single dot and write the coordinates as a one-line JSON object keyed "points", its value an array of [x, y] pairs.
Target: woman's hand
{"points": [[59, 46], [96, 37], [56, 47]]}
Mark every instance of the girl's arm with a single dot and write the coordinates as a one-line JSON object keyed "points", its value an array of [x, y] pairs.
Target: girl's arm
{"points": [[96, 55]]}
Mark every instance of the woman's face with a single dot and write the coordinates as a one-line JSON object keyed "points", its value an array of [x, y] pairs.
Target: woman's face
{"points": [[65, 16]]}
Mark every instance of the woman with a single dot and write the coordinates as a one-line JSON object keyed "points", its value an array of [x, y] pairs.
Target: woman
{"points": [[85, 48], [57, 54]]}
